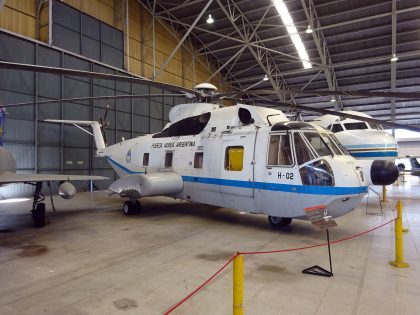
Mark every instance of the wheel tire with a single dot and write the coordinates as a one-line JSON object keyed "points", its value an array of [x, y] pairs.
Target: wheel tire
{"points": [[38, 215], [137, 207], [128, 208], [279, 221]]}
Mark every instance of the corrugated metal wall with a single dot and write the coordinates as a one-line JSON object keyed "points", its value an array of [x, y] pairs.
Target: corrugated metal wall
{"points": [[51, 148]]}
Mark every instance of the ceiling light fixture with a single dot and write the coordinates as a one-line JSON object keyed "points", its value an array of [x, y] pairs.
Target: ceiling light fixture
{"points": [[293, 33], [333, 100], [210, 20], [309, 30], [394, 58], [265, 78]]}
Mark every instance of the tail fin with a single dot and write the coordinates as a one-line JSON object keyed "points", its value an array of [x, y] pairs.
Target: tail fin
{"points": [[2, 118], [96, 128]]}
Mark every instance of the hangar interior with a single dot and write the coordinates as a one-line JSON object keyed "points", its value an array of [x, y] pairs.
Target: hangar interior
{"points": [[351, 45]]}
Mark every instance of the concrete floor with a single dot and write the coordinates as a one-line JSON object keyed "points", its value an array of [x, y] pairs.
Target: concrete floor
{"points": [[93, 260]]}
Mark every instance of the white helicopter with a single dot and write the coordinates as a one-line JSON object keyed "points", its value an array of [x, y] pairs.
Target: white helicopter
{"points": [[244, 157], [363, 140], [8, 176]]}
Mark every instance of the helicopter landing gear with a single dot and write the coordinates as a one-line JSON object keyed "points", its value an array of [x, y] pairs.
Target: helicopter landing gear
{"points": [[279, 221], [131, 206], [38, 207]]}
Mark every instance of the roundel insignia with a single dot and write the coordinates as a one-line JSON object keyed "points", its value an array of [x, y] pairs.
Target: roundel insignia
{"points": [[128, 156]]}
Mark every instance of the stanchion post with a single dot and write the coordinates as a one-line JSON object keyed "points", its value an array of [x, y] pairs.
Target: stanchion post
{"points": [[384, 197], [238, 285], [399, 255]]}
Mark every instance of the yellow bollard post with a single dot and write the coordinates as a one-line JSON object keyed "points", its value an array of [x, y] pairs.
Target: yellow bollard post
{"points": [[399, 256], [384, 197], [238, 285]]}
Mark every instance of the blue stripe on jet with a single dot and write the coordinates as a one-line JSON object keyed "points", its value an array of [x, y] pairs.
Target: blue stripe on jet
{"points": [[128, 171], [302, 189], [375, 154]]}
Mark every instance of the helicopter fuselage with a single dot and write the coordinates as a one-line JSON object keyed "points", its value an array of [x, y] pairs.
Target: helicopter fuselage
{"points": [[275, 167]]}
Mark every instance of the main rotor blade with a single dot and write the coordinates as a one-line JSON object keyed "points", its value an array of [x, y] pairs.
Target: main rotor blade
{"points": [[355, 93], [89, 74], [340, 114], [91, 98]]}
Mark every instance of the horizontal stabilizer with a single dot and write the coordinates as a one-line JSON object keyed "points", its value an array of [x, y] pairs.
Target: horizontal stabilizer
{"points": [[96, 128]]}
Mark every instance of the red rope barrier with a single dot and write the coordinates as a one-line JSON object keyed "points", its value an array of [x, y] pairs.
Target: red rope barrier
{"points": [[317, 245], [268, 252], [201, 286]]}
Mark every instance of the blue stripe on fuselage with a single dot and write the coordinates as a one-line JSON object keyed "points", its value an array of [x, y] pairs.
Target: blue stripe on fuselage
{"points": [[128, 171], [301, 189], [375, 154]]}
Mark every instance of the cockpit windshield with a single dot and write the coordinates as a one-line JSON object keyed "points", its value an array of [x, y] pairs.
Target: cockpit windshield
{"points": [[317, 143], [376, 126], [356, 126], [303, 153]]}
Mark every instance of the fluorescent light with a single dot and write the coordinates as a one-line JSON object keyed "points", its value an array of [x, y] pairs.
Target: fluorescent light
{"points": [[394, 58], [293, 33], [309, 30], [333, 100], [210, 20], [265, 78]]}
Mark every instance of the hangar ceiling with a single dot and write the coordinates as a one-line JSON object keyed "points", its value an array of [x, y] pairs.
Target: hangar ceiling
{"points": [[350, 48]]}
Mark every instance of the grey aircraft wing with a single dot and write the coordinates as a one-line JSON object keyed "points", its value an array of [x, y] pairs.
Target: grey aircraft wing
{"points": [[10, 178]]}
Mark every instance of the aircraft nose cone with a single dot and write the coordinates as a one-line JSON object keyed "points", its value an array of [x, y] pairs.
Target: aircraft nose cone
{"points": [[383, 172]]}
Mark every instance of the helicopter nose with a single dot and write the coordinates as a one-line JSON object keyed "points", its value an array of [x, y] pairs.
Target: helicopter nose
{"points": [[383, 172]]}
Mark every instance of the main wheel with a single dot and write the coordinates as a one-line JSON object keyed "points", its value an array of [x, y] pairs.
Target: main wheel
{"points": [[38, 215], [279, 221], [128, 208], [137, 206]]}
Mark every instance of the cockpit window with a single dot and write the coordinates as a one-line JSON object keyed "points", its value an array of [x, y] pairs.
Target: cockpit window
{"points": [[331, 144], [303, 153], [376, 126], [317, 143], [338, 143], [279, 150], [356, 126], [335, 127]]}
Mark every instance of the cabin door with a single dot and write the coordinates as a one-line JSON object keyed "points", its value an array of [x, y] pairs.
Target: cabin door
{"points": [[236, 165]]}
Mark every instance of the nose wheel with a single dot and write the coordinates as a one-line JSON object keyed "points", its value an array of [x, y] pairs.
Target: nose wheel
{"points": [[131, 206], [279, 221]]}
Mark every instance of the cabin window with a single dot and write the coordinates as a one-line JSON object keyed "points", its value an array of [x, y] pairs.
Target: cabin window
{"points": [[356, 126], [303, 153], [234, 158], [198, 159], [168, 159], [146, 159], [279, 150], [335, 128]]}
